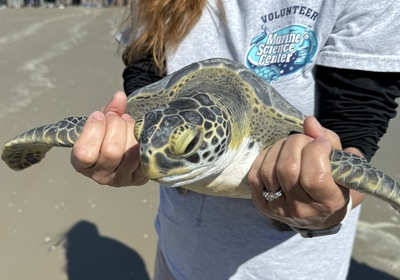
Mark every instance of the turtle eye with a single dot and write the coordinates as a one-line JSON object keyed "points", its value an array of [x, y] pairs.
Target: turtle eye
{"points": [[192, 144], [185, 140]]}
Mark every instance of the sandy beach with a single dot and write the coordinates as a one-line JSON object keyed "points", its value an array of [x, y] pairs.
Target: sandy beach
{"points": [[57, 224]]}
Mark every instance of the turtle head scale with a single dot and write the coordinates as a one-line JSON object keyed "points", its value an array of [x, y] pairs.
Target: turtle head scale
{"points": [[180, 144]]}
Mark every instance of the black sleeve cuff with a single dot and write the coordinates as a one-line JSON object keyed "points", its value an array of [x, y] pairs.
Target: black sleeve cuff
{"points": [[139, 74]]}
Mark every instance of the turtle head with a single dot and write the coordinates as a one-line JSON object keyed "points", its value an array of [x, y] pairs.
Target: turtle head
{"points": [[182, 141]]}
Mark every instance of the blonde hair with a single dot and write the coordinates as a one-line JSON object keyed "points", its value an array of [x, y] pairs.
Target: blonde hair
{"points": [[158, 26]]}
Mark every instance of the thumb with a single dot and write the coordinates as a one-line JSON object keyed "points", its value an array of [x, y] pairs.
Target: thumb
{"points": [[117, 104], [315, 130]]}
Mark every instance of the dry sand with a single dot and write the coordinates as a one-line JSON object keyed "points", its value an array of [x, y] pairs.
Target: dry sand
{"points": [[55, 223]]}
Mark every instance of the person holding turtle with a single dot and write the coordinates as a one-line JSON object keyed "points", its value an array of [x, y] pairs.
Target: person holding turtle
{"points": [[335, 60]]}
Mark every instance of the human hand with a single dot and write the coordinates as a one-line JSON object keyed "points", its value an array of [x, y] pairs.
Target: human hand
{"points": [[299, 165], [107, 151]]}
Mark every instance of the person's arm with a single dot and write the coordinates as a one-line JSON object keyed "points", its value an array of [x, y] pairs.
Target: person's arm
{"points": [[357, 105], [106, 150], [299, 165], [139, 74]]}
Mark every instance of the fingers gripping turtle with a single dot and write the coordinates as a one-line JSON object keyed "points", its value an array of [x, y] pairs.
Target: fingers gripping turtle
{"points": [[202, 128]]}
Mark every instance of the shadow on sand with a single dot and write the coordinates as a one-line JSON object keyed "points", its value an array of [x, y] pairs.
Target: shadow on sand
{"points": [[362, 271], [92, 256]]}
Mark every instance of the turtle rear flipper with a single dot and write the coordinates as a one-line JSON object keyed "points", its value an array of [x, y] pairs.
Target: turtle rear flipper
{"points": [[31, 146]]}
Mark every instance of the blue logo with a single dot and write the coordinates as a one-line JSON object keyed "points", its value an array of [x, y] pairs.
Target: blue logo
{"points": [[277, 54]]}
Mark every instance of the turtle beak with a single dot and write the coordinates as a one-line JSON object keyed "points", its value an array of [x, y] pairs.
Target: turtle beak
{"points": [[147, 161]]}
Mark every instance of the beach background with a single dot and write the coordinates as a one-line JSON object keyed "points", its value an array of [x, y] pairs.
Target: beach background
{"points": [[56, 224]]}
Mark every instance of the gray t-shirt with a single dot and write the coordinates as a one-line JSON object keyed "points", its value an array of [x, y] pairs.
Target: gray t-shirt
{"points": [[206, 237]]}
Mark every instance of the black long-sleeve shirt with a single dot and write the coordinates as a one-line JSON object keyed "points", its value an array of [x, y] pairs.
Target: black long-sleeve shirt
{"points": [[357, 105]]}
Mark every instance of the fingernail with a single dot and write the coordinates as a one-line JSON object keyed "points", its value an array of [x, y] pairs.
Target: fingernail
{"points": [[98, 116]]}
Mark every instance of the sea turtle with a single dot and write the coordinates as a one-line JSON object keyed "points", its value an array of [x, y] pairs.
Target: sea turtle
{"points": [[201, 128]]}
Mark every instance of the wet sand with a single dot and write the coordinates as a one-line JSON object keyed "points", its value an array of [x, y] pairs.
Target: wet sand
{"points": [[55, 223]]}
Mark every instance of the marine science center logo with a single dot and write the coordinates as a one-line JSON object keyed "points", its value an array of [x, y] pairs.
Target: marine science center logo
{"points": [[277, 54]]}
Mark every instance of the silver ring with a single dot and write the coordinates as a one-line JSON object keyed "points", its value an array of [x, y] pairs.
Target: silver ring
{"points": [[270, 196]]}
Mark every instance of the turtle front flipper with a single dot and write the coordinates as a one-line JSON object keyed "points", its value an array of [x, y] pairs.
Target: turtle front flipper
{"points": [[354, 172], [31, 146]]}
